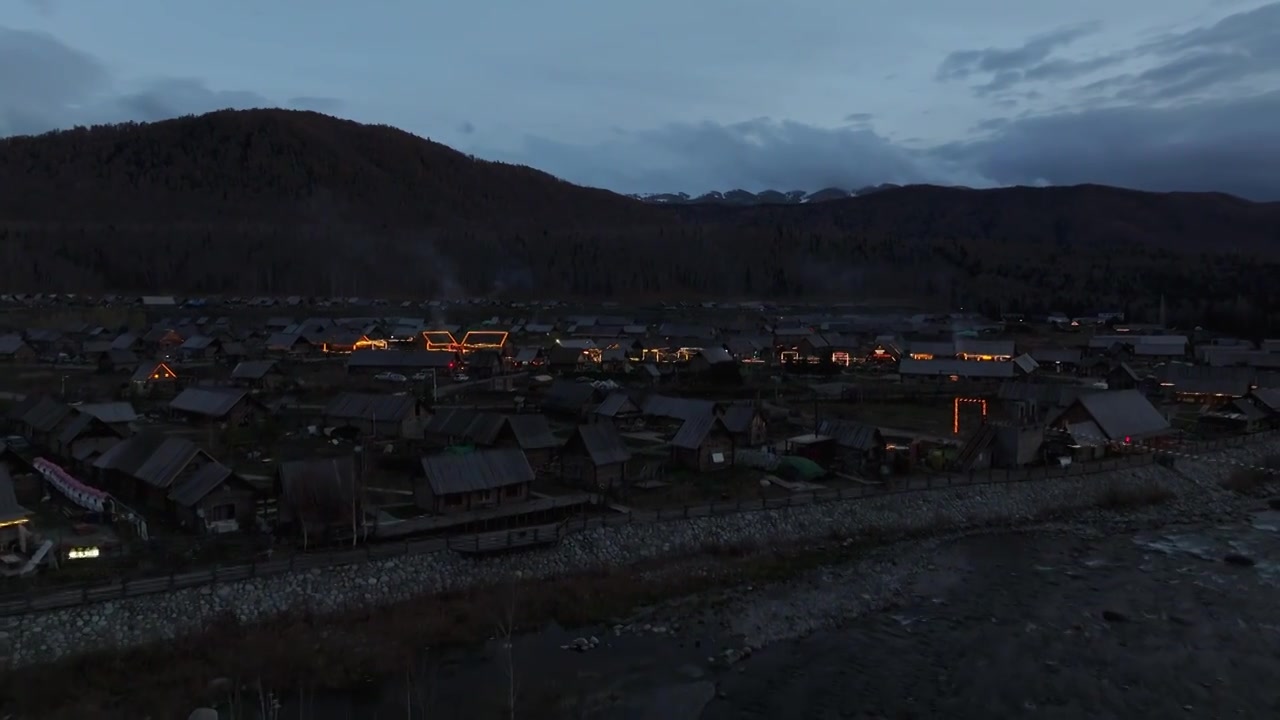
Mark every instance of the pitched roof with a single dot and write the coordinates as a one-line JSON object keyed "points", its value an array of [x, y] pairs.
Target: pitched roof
{"points": [[532, 432], [195, 488], [450, 474], [366, 406], [111, 413], [253, 369], [693, 433], [602, 443], [207, 402], [1124, 414]]}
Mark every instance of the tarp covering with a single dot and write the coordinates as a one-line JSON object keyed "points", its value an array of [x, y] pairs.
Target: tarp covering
{"points": [[794, 467], [89, 498]]}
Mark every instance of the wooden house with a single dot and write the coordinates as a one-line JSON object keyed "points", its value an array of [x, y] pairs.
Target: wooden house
{"points": [[464, 482], [154, 378], [214, 499], [595, 457], [389, 417], [855, 447], [703, 443], [13, 349], [173, 476], [618, 408], [92, 431], [747, 423], [232, 406], [258, 375]]}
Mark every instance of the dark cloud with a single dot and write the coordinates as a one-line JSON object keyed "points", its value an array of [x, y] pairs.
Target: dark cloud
{"points": [[1197, 116], [467, 127], [756, 154], [859, 118], [1239, 48], [963, 64], [45, 84]]}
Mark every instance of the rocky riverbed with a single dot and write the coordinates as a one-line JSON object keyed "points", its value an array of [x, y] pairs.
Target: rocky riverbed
{"points": [[1192, 486], [1113, 619]]}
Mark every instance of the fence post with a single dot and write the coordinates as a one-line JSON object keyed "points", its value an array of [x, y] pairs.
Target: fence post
{"points": [[124, 587], [84, 594], [173, 582], [477, 540]]}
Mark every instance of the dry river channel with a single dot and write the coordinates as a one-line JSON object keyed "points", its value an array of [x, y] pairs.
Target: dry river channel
{"points": [[1099, 620]]}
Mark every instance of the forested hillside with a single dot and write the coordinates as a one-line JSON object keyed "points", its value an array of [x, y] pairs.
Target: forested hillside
{"points": [[251, 202]]}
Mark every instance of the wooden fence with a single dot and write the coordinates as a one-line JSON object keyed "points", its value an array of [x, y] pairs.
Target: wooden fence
{"points": [[63, 597]]}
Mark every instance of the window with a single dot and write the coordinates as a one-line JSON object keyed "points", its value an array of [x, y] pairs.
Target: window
{"points": [[219, 513], [452, 500], [484, 496], [511, 491], [717, 458]]}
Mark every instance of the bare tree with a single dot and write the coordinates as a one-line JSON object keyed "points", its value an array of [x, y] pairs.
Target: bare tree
{"points": [[504, 631]]}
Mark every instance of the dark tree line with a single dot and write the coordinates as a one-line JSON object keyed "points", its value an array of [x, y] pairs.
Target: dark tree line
{"points": [[274, 202]]}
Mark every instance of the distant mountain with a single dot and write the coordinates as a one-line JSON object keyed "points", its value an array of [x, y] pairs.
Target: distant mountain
{"points": [[271, 202], [766, 197]]}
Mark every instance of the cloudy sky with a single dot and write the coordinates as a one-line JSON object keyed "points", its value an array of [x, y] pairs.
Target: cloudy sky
{"points": [[703, 94]]}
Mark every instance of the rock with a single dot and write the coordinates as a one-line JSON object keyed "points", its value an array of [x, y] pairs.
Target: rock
{"points": [[1239, 560], [1114, 616], [203, 713]]}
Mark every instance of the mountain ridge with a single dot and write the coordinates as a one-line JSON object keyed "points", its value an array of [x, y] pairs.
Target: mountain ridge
{"points": [[275, 201], [764, 197]]}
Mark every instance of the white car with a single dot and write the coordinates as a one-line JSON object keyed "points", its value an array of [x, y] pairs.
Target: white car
{"points": [[461, 377], [391, 377], [420, 376]]}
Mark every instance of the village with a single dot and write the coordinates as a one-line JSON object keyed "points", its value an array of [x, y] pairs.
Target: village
{"points": [[147, 436]]}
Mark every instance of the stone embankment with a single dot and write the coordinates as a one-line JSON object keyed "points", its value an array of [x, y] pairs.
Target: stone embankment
{"points": [[1194, 484]]}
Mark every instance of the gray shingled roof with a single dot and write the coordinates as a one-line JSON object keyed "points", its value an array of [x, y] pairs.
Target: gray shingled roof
{"points": [[959, 368], [370, 406], [851, 435], [617, 403], [693, 433], [676, 408], [533, 432], [253, 369], [166, 462], [46, 414], [1124, 414], [207, 402], [450, 474], [10, 344], [602, 443], [112, 413], [202, 482]]}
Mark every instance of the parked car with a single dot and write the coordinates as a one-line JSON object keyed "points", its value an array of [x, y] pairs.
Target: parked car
{"points": [[390, 377], [461, 377], [420, 376]]}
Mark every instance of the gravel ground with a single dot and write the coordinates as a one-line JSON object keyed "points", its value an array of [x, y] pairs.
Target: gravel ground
{"points": [[1064, 621], [1049, 624]]}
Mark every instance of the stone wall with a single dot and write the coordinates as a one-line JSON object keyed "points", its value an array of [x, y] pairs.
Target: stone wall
{"points": [[48, 636]]}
